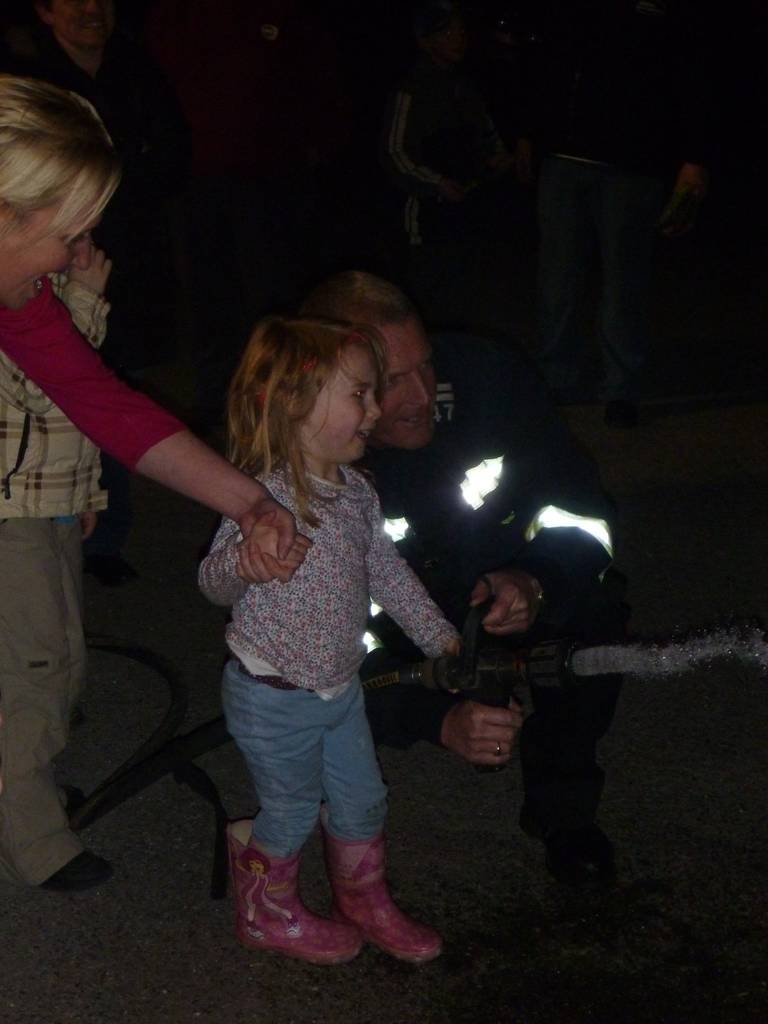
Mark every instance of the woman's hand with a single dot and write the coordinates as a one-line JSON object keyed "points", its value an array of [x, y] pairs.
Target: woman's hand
{"points": [[258, 558], [271, 548]]}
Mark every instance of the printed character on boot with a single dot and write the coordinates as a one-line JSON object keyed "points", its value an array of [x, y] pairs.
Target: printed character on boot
{"points": [[270, 913], [301, 407]]}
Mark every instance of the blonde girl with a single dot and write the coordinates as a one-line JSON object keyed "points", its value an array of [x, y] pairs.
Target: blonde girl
{"points": [[301, 408]]}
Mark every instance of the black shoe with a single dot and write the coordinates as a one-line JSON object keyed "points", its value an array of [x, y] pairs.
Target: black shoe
{"points": [[76, 717], [578, 856], [72, 798], [530, 824], [82, 872], [621, 413], [111, 570]]}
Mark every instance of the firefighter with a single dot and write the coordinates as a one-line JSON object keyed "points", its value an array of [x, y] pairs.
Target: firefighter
{"points": [[490, 498]]}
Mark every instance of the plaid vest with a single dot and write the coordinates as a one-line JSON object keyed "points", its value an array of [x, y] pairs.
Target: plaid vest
{"points": [[47, 467]]}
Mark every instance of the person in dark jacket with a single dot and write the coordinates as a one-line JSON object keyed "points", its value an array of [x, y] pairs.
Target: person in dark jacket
{"points": [[491, 499], [442, 149], [618, 108]]}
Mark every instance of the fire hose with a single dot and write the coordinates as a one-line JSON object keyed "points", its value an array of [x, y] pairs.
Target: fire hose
{"points": [[491, 674]]}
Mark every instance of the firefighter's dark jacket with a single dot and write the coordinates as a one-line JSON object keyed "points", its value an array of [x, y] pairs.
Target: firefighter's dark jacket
{"points": [[491, 404]]}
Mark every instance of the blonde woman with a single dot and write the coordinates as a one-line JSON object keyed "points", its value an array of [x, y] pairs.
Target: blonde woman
{"points": [[58, 171]]}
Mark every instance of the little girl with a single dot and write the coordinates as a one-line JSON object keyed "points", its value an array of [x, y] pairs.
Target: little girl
{"points": [[301, 407]]}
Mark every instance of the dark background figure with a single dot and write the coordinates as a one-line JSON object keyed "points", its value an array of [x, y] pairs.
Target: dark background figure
{"points": [[442, 149], [77, 46], [619, 111], [497, 59], [260, 88]]}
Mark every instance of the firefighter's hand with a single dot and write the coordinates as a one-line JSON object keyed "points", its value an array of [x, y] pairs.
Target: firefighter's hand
{"points": [[516, 600], [481, 734]]}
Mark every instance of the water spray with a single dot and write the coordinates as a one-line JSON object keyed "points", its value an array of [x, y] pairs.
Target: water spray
{"points": [[657, 659]]}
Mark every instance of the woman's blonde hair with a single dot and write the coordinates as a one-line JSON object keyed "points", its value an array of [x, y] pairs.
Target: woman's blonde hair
{"points": [[284, 367], [54, 150]]}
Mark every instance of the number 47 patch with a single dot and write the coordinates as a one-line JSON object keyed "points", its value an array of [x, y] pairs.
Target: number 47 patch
{"points": [[444, 403]]}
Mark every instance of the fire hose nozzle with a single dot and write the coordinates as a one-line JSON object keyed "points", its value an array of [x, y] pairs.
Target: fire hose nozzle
{"points": [[548, 664], [497, 670]]}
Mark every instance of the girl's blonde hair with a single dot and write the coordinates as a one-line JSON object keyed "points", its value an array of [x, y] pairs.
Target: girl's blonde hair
{"points": [[54, 150], [284, 367]]}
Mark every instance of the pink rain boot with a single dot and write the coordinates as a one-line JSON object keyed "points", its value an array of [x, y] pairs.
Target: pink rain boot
{"points": [[270, 914], [361, 897]]}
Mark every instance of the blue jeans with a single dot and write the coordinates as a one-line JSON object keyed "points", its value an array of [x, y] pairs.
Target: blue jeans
{"points": [[583, 208], [301, 750]]}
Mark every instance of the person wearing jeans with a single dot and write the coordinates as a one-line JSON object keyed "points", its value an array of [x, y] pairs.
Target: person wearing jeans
{"points": [[584, 206]]}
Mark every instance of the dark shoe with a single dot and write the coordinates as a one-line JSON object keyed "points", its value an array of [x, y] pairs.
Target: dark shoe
{"points": [[621, 413], [82, 872], [111, 570], [579, 856], [530, 824], [76, 717], [71, 797]]}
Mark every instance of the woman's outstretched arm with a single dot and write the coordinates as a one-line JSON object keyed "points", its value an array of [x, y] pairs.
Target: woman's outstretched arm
{"points": [[41, 339]]}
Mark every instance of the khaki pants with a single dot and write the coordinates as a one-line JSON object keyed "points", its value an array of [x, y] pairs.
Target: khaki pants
{"points": [[42, 663]]}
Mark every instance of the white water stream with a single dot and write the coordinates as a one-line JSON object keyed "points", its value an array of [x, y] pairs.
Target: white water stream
{"points": [[670, 658]]}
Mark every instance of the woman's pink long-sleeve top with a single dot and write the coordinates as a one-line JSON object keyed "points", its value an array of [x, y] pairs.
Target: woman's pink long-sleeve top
{"points": [[42, 340]]}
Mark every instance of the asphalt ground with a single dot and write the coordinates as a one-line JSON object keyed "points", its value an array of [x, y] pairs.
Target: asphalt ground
{"points": [[681, 939]]}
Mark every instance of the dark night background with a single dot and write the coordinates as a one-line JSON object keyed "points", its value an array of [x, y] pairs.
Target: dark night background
{"points": [[683, 938]]}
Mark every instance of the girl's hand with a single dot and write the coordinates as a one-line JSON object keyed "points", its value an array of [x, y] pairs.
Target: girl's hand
{"points": [[285, 549], [259, 560], [269, 512], [453, 647], [96, 275], [88, 522]]}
